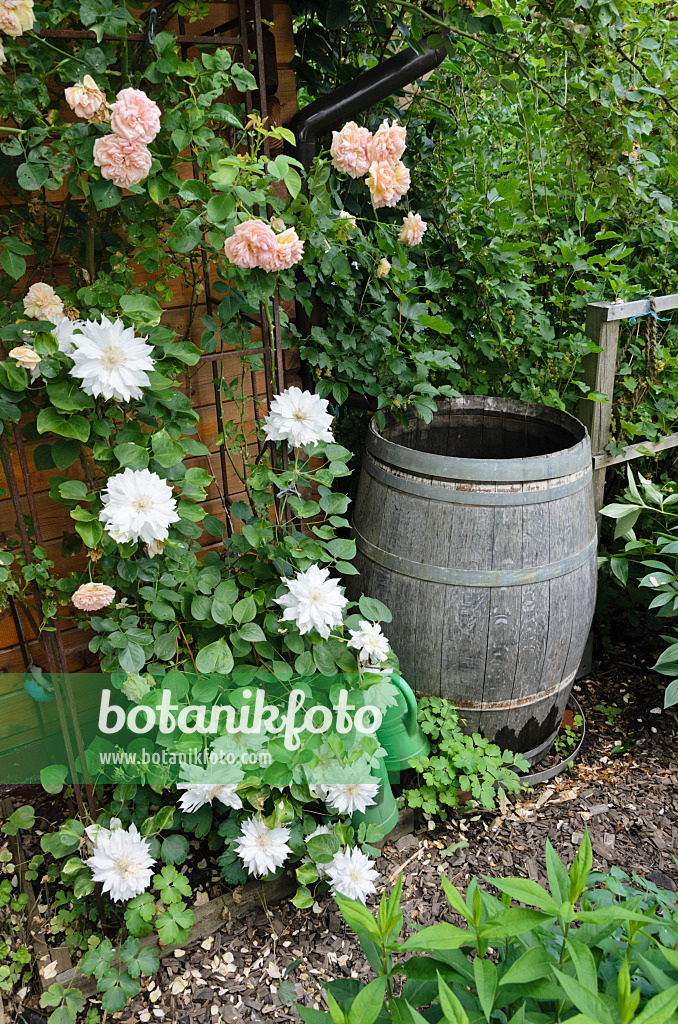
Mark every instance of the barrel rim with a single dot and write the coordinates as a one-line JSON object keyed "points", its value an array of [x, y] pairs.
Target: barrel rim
{"points": [[534, 467]]}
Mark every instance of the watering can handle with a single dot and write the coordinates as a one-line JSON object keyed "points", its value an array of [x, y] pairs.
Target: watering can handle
{"points": [[410, 716]]}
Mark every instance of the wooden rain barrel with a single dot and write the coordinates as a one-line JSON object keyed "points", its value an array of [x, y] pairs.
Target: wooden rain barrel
{"points": [[478, 531]]}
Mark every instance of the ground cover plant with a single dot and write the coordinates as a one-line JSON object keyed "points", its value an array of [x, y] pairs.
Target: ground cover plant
{"points": [[460, 767]]}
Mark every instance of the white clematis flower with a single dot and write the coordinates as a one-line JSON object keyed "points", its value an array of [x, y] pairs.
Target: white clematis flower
{"points": [[370, 642], [122, 862], [94, 832], [313, 601], [197, 794], [298, 417], [352, 874], [110, 361], [138, 505], [350, 797], [262, 849], [64, 333]]}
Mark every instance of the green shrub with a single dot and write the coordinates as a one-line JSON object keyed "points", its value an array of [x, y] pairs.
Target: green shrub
{"points": [[592, 950], [649, 561]]}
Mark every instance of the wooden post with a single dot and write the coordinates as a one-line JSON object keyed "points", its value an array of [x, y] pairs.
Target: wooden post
{"points": [[599, 373]]}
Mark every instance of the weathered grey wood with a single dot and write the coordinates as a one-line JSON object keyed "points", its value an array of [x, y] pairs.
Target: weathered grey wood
{"points": [[467, 609], [602, 326], [635, 451], [500, 650], [534, 607], [599, 373], [430, 611], [503, 633], [625, 310]]}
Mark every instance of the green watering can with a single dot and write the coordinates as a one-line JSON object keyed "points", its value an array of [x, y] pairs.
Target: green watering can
{"points": [[399, 732], [385, 812]]}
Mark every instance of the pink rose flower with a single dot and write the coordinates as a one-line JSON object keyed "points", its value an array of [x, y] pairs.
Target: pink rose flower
{"points": [[134, 116], [91, 597], [388, 143], [289, 250], [412, 231], [382, 184], [349, 150], [253, 244], [16, 17], [87, 100], [402, 181], [122, 162]]}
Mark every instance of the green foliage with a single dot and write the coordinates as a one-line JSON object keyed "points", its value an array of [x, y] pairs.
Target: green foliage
{"points": [[117, 971], [543, 159], [459, 767], [15, 957], [23, 817], [644, 554], [594, 950], [199, 617], [67, 1003], [568, 737]]}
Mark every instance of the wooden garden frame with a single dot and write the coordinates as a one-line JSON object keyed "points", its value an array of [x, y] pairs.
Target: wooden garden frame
{"points": [[602, 327]]}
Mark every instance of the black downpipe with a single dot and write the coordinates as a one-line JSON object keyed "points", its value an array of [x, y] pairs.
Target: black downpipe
{"points": [[342, 104]]}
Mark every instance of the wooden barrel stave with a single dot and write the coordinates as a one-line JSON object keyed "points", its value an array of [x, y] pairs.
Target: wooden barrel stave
{"points": [[505, 654]]}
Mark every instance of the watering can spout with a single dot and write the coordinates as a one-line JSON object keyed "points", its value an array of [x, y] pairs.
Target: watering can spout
{"points": [[399, 733]]}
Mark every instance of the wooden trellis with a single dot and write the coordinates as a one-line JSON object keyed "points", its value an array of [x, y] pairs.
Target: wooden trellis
{"points": [[262, 28], [603, 320]]}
